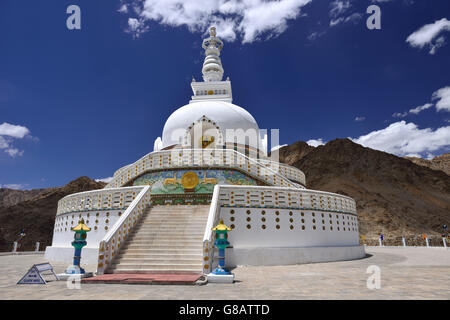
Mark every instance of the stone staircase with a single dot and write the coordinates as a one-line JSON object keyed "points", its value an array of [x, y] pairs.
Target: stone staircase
{"points": [[168, 239]]}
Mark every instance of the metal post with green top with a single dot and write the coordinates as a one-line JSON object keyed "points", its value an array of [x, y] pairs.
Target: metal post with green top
{"points": [[79, 242], [220, 274]]}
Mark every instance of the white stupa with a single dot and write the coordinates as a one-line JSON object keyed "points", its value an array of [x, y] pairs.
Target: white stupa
{"points": [[211, 164]]}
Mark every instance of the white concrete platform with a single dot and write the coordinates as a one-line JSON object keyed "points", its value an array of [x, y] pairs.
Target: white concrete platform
{"points": [[65, 276], [290, 256], [218, 278]]}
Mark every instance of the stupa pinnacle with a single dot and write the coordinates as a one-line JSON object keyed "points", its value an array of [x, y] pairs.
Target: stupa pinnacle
{"points": [[212, 66]]}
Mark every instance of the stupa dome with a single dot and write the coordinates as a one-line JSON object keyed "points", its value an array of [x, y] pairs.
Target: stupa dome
{"points": [[223, 114]]}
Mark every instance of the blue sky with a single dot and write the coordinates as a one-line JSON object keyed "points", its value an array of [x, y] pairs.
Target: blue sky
{"points": [[86, 102]]}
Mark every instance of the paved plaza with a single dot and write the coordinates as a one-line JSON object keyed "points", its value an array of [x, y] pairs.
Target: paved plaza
{"points": [[406, 273]]}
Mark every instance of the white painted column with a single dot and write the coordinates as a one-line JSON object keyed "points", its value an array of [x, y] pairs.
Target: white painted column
{"points": [[404, 241], [15, 247], [427, 242], [445, 242], [37, 247], [381, 242]]}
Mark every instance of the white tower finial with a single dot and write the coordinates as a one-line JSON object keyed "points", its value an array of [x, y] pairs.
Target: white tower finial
{"points": [[212, 67]]}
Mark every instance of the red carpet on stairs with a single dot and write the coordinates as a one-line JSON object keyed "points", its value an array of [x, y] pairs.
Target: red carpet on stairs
{"points": [[162, 278]]}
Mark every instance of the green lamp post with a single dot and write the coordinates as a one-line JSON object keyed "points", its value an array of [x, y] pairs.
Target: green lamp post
{"points": [[79, 242], [220, 274]]}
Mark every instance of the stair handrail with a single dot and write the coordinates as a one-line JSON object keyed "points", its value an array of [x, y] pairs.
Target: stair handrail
{"points": [[208, 239], [110, 244]]}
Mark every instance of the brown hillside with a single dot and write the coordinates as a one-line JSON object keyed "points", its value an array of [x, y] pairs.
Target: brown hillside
{"points": [[10, 197], [437, 163], [394, 196], [36, 214]]}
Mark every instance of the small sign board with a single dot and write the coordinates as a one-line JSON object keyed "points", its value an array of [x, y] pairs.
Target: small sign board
{"points": [[35, 273]]}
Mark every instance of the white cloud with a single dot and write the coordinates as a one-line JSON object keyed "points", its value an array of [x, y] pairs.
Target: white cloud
{"points": [[315, 142], [136, 27], [3, 143], [12, 130], [439, 43], [416, 110], [421, 108], [314, 35], [338, 13], [338, 7], [354, 18], [13, 152], [414, 155], [15, 186], [249, 19], [9, 132], [358, 119], [443, 95], [400, 114], [106, 180], [401, 138], [123, 8], [426, 35], [335, 22]]}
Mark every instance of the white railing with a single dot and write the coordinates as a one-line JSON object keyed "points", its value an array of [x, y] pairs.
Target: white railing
{"points": [[275, 197], [103, 199], [221, 158], [110, 244], [208, 238], [286, 170]]}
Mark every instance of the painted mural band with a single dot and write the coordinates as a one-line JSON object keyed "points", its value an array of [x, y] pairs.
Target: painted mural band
{"points": [[191, 181]]}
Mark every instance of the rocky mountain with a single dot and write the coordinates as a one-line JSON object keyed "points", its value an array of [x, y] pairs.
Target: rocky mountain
{"points": [[437, 163], [35, 211], [10, 197], [394, 195]]}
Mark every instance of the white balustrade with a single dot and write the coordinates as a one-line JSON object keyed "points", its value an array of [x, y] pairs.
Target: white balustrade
{"points": [[208, 238], [110, 244], [103, 199], [272, 173]]}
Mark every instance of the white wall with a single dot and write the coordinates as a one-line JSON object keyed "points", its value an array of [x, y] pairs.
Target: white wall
{"points": [[289, 256], [296, 228], [99, 222]]}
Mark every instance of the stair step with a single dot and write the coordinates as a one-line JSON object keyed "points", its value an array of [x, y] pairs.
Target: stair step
{"points": [[162, 246], [173, 223], [160, 266], [182, 225], [165, 237], [161, 255], [185, 241], [148, 270], [177, 228], [150, 233], [162, 251], [156, 232], [167, 260]]}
